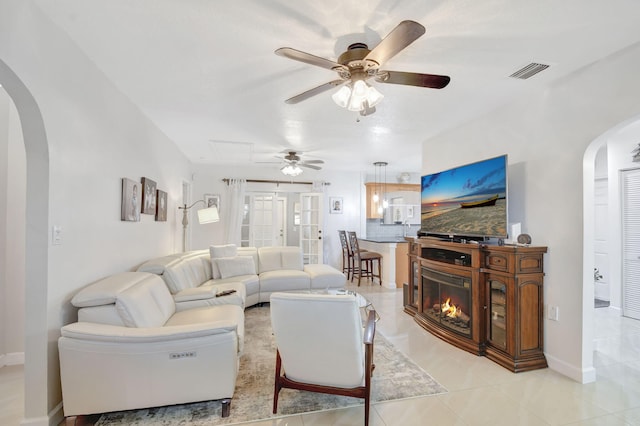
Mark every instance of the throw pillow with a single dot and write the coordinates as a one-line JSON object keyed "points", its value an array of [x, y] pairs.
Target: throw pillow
{"points": [[227, 250], [236, 266]]}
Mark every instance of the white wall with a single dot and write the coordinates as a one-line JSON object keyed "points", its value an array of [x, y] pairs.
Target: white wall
{"points": [[12, 233], [4, 160], [545, 137], [349, 185], [601, 229], [96, 137]]}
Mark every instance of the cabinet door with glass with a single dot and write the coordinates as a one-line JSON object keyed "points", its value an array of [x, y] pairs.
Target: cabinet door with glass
{"points": [[311, 240], [412, 301], [497, 323]]}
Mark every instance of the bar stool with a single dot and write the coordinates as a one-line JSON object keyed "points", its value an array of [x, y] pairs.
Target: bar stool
{"points": [[364, 261]]}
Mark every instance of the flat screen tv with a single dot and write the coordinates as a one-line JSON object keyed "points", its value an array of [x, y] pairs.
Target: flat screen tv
{"points": [[466, 201]]}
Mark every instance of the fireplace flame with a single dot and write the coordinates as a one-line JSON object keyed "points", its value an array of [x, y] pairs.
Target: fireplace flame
{"points": [[452, 311]]}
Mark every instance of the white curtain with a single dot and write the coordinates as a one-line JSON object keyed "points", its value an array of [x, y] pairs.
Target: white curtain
{"points": [[234, 211]]}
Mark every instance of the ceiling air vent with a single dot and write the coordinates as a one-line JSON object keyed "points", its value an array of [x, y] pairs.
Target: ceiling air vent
{"points": [[529, 71]]}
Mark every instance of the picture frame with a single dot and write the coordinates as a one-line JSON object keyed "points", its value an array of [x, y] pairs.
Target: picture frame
{"points": [[211, 200], [130, 209], [161, 208], [336, 205], [148, 196]]}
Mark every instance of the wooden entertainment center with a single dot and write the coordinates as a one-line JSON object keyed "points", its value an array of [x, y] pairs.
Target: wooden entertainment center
{"points": [[485, 299]]}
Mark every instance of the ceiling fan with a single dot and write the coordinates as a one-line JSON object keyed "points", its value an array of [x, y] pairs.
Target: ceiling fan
{"points": [[293, 164], [359, 64]]}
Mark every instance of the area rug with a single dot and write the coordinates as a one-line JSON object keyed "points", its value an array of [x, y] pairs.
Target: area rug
{"points": [[395, 377]]}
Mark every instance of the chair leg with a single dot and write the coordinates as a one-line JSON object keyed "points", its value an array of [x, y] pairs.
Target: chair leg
{"points": [[366, 410], [226, 407], [277, 385]]}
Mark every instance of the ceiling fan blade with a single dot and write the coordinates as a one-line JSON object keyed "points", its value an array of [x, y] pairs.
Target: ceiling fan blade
{"points": [[315, 91], [413, 79], [308, 58], [313, 162], [310, 166], [400, 37]]}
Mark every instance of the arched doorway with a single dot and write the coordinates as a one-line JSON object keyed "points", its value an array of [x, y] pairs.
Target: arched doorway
{"points": [[625, 135], [37, 348]]}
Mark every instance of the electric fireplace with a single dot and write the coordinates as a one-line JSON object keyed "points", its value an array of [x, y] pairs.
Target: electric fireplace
{"points": [[447, 300], [452, 296]]}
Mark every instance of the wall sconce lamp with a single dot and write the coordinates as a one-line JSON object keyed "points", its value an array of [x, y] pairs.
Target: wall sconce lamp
{"points": [[207, 215]]}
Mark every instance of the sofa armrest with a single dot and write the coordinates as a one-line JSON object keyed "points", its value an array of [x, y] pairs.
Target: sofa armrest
{"points": [[195, 293], [113, 333]]}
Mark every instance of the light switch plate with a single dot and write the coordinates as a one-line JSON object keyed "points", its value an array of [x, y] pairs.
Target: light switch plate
{"points": [[56, 235]]}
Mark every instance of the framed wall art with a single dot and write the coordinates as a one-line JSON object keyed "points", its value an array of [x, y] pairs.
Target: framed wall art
{"points": [[161, 208], [130, 210], [336, 205], [148, 196], [211, 200]]}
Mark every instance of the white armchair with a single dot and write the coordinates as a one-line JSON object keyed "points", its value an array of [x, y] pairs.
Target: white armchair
{"points": [[131, 349], [322, 346]]}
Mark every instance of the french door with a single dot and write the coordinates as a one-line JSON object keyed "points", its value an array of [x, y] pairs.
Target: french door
{"points": [[311, 239], [267, 220]]}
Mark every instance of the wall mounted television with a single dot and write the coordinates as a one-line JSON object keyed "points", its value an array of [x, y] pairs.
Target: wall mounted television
{"points": [[466, 202]]}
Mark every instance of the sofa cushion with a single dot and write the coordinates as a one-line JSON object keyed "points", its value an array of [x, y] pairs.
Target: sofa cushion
{"points": [[159, 264], [220, 314], [284, 280], [236, 266], [325, 276], [195, 293], [104, 314], [147, 304], [105, 290], [186, 272], [215, 252], [251, 283], [277, 258]]}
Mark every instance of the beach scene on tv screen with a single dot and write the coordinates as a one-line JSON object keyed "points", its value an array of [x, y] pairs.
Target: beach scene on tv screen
{"points": [[467, 200]]}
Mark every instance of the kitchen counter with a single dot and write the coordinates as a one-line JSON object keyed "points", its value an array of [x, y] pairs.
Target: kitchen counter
{"points": [[395, 264], [384, 239]]}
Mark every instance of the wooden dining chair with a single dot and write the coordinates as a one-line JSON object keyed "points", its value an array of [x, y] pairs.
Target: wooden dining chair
{"points": [[347, 257], [365, 263]]}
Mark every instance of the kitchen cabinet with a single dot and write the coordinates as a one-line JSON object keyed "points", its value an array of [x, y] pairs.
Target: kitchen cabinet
{"points": [[404, 200]]}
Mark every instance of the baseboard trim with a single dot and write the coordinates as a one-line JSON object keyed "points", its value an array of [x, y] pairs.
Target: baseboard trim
{"points": [[14, 358], [54, 418], [35, 421], [580, 375]]}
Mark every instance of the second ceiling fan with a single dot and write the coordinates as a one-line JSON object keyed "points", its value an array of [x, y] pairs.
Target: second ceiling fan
{"points": [[359, 64]]}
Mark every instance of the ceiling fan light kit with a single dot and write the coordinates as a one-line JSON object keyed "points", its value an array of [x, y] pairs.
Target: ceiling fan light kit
{"points": [[357, 98], [291, 170], [293, 164], [359, 64]]}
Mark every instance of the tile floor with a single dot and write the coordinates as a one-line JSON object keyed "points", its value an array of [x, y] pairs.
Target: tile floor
{"points": [[480, 391]]}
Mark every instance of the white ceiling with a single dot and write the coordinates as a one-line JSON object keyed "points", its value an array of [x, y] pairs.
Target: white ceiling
{"points": [[205, 73]]}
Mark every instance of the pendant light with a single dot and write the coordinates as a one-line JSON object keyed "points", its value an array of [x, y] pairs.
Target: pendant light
{"points": [[381, 186]]}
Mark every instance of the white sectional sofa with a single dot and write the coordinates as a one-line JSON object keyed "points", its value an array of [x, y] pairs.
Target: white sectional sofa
{"points": [[132, 349], [191, 276], [166, 334]]}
